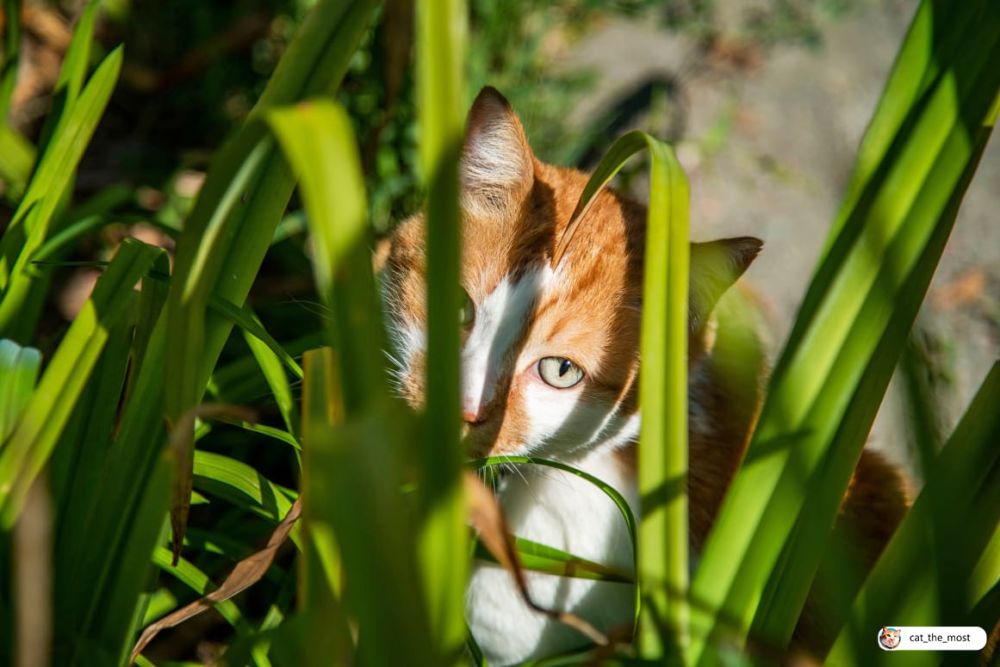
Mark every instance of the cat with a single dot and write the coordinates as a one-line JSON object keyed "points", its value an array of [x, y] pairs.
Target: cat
{"points": [[550, 366], [889, 637]]}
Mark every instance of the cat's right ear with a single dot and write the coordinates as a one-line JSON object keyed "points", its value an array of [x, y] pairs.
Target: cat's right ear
{"points": [[497, 169], [715, 266]]}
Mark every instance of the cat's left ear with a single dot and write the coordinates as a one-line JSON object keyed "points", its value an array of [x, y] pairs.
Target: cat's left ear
{"points": [[497, 169], [715, 266]]}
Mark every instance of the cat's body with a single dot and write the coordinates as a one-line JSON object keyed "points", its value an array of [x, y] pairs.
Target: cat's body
{"points": [[569, 513], [550, 366]]}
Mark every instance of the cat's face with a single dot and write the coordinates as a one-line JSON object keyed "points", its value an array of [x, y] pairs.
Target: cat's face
{"points": [[549, 353], [889, 637]]}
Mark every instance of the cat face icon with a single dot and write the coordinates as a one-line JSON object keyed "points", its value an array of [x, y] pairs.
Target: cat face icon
{"points": [[889, 637]]}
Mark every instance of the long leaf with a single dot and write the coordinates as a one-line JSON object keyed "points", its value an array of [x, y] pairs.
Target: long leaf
{"points": [[319, 141], [19, 368], [31, 223], [240, 484], [924, 576], [440, 46], [538, 557], [314, 63], [75, 65], [17, 156], [854, 321], [29, 447], [9, 55], [350, 483], [663, 536], [270, 365]]}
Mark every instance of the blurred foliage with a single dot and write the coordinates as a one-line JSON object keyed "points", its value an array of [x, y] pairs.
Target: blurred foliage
{"points": [[193, 71]]}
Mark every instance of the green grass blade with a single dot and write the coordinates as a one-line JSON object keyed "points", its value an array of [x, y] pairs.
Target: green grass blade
{"points": [[113, 616], [271, 432], [854, 321], [29, 447], [17, 156], [82, 454], [77, 462], [31, 223], [277, 380], [161, 602], [663, 536], [151, 301], [351, 481], [66, 95], [77, 60], [924, 576], [319, 142], [64, 239], [315, 62], [537, 557], [192, 285], [240, 484], [10, 55], [321, 573], [441, 34], [253, 328], [318, 139], [240, 204], [19, 369], [663, 449], [72, 73]]}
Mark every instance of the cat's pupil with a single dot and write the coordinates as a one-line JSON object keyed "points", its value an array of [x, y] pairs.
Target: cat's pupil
{"points": [[564, 367]]}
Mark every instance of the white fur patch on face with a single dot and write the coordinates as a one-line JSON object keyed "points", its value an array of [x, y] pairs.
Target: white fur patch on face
{"points": [[499, 322], [564, 422]]}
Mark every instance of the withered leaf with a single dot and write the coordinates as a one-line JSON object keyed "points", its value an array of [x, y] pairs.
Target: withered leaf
{"points": [[247, 572], [181, 449]]}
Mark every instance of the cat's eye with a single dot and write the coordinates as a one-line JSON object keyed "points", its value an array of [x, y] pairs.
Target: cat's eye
{"points": [[468, 311], [559, 372]]}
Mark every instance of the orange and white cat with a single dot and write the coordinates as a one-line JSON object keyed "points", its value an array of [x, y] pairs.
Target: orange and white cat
{"points": [[549, 368]]}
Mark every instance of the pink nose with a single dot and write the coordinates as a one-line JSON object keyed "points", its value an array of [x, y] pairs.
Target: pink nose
{"points": [[472, 414]]}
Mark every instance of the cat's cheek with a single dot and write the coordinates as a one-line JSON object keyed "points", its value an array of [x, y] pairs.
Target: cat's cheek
{"points": [[409, 382], [552, 415]]}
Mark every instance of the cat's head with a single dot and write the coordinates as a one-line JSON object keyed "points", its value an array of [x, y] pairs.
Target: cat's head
{"points": [[889, 637], [549, 354]]}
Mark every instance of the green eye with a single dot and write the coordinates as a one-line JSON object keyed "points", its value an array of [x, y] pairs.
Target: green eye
{"points": [[468, 311], [559, 372]]}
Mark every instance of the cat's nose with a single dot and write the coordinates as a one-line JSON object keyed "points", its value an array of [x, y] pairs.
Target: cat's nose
{"points": [[472, 416], [473, 411]]}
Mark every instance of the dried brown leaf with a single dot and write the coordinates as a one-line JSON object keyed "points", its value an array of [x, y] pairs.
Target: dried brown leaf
{"points": [[181, 449], [247, 572]]}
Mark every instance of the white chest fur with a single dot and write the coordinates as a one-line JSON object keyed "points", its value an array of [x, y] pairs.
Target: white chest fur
{"points": [[563, 511]]}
